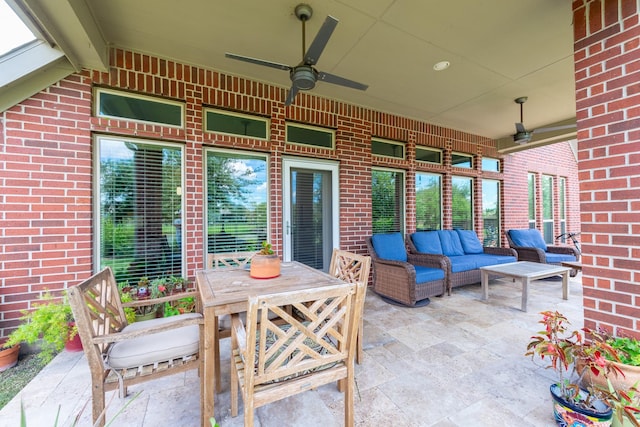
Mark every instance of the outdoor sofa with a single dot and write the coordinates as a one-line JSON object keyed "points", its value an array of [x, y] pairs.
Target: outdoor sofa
{"points": [[462, 252], [400, 277]]}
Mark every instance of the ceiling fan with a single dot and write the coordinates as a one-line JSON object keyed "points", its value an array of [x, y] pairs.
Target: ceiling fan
{"points": [[304, 75], [522, 135]]}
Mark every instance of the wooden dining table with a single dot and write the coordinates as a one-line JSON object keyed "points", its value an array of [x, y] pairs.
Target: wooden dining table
{"points": [[226, 291]]}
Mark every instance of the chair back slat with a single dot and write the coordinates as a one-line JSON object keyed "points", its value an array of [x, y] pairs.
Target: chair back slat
{"points": [[229, 259], [350, 267]]}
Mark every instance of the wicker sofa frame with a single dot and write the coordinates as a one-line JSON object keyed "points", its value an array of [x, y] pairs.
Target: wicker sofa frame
{"points": [[396, 280], [461, 278]]}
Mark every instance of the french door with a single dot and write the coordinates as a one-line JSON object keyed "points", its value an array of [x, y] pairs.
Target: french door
{"points": [[310, 211]]}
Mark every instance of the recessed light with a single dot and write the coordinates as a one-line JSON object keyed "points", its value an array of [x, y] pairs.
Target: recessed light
{"points": [[442, 65]]}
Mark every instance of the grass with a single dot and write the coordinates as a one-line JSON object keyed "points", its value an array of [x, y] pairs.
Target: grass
{"points": [[14, 379]]}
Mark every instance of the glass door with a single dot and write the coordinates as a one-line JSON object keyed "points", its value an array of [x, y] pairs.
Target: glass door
{"points": [[311, 211]]}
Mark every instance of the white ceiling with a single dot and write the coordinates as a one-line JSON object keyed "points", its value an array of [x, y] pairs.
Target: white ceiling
{"points": [[499, 50]]}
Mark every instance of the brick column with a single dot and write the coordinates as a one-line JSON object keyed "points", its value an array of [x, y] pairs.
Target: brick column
{"points": [[607, 71]]}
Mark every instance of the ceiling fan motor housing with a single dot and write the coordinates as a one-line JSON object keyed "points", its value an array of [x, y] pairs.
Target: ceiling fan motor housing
{"points": [[304, 77]]}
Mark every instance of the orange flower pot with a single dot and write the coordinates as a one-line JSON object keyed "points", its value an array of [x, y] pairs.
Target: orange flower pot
{"points": [[265, 266]]}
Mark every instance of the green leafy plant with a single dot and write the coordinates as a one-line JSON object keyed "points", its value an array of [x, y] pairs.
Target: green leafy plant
{"points": [[627, 349], [571, 356], [50, 320], [266, 249]]}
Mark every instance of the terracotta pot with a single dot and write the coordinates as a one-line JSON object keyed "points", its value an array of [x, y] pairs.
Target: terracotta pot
{"points": [[9, 357], [265, 266], [631, 377], [73, 344]]}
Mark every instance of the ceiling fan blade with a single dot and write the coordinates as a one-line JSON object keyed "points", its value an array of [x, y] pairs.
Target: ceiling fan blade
{"points": [[258, 61], [554, 128], [292, 94], [322, 38], [337, 80], [520, 128]]}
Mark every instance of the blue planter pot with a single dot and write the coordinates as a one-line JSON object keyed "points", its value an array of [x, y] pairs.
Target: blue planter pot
{"points": [[569, 415]]}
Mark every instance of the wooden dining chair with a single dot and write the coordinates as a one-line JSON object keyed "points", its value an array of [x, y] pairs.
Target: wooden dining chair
{"points": [[352, 268], [218, 261], [315, 346], [121, 354]]}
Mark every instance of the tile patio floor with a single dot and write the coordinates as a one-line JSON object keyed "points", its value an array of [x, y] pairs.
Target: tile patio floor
{"points": [[456, 362]]}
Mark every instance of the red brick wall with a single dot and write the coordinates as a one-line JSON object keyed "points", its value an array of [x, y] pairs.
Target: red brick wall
{"points": [[46, 224], [607, 72]]}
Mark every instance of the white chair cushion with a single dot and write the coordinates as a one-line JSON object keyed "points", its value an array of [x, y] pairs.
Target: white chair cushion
{"points": [[157, 347]]}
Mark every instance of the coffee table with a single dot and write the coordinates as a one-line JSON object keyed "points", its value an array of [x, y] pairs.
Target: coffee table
{"points": [[526, 272]]}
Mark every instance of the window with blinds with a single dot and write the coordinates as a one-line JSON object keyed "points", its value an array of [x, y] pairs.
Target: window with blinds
{"points": [[139, 208], [547, 208], [428, 201], [562, 186], [531, 184], [462, 202], [491, 212], [387, 194], [236, 201]]}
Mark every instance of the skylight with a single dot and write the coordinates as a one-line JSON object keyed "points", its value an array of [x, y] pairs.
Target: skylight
{"points": [[13, 32]]}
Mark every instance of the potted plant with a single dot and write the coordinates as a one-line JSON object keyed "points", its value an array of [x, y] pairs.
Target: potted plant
{"points": [[51, 321], [573, 404], [8, 355], [625, 404], [265, 264]]}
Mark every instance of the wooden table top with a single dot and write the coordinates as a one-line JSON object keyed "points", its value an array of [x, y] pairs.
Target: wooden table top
{"points": [[227, 286]]}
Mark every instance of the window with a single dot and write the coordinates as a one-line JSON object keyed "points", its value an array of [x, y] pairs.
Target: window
{"points": [[236, 201], [428, 201], [387, 192], [235, 124], [562, 185], [140, 108], [547, 208], [306, 135], [429, 155], [462, 202], [461, 160], [13, 32], [387, 148], [489, 164], [138, 206], [491, 212], [531, 185]]}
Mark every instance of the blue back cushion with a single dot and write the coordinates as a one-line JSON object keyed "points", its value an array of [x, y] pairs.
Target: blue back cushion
{"points": [[529, 237], [390, 246], [427, 242], [470, 242], [450, 242]]}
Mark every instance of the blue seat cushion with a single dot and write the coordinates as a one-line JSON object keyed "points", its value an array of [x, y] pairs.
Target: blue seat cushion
{"points": [[428, 274], [484, 260], [389, 246], [450, 242], [470, 242], [427, 242], [462, 263], [553, 258], [528, 238]]}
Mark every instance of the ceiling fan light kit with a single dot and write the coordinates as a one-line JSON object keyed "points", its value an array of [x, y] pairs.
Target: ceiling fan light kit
{"points": [[304, 76]]}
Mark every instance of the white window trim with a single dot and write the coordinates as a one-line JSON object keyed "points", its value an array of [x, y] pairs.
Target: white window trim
{"points": [[388, 141], [429, 149], [469, 156]]}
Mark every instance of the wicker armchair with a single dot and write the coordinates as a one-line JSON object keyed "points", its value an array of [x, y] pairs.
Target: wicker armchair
{"points": [[531, 247], [399, 277]]}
